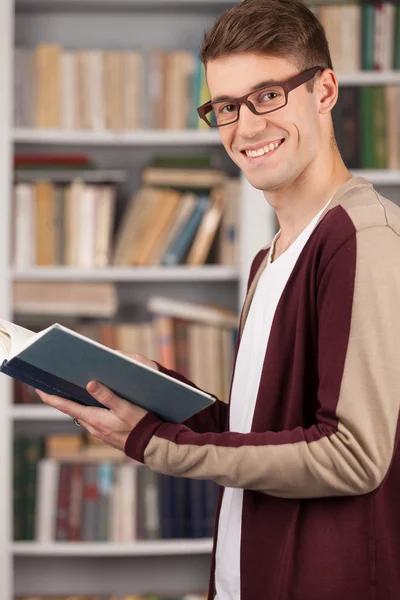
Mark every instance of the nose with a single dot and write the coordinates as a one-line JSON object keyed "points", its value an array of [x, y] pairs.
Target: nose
{"points": [[249, 124]]}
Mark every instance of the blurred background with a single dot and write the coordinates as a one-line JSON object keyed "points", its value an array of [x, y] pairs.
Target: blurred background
{"points": [[122, 218]]}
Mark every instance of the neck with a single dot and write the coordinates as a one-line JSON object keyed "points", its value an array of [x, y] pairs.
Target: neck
{"points": [[299, 201]]}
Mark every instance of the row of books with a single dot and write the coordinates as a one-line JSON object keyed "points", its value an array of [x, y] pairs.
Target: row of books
{"points": [[62, 225], [128, 90], [114, 597], [99, 90], [173, 341], [169, 227], [66, 490], [177, 217], [362, 36], [367, 126]]}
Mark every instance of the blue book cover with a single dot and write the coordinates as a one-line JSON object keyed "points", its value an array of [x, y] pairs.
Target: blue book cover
{"points": [[61, 362], [180, 246], [196, 81]]}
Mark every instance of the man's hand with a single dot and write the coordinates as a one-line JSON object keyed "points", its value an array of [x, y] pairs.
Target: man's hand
{"points": [[141, 359], [111, 426]]}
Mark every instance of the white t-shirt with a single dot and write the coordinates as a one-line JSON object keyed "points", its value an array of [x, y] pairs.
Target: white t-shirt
{"points": [[245, 386]]}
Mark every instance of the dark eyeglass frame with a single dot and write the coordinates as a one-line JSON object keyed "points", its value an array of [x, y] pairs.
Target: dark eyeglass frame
{"points": [[287, 87]]}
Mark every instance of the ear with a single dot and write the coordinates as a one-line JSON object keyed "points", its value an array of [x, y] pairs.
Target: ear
{"points": [[327, 91]]}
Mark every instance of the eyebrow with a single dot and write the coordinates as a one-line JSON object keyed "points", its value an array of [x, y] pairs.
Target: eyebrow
{"points": [[262, 84]]}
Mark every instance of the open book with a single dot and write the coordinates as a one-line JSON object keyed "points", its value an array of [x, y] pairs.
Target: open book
{"points": [[61, 362]]}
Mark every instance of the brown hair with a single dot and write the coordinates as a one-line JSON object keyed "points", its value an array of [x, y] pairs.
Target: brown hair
{"points": [[281, 28]]}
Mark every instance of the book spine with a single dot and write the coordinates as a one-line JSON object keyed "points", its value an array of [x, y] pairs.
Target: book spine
{"points": [[367, 36]]}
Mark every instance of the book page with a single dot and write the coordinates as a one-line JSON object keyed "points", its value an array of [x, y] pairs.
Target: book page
{"points": [[12, 338]]}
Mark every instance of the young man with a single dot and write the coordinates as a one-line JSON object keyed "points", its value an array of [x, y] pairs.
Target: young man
{"points": [[307, 450]]}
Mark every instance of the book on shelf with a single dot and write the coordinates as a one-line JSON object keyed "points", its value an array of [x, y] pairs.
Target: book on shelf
{"points": [[64, 161], [182, 161], [201, 313], [208, 228], [66, 299], [71, 489], [60, 361], [192, 178]]}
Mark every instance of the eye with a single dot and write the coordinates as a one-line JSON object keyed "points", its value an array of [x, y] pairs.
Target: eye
{"points": [[268, 96], [227, 108]]}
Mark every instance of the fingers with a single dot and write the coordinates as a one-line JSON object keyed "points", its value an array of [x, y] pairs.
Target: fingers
{"points": [[142, 359], [74, 410], [145, 361]]}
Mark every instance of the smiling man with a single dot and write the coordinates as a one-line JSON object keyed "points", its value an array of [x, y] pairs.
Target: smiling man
{"points": [[306, 452]]}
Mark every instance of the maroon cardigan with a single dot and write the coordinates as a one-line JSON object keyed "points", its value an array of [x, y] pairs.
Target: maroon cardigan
{"points": [[321, 467]]}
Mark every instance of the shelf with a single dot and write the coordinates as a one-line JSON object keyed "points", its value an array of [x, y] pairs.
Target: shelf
{"points": [[89, 549], [378, 176], [369, 78], [156, 274], [75, 5], [135, 4], [33, 412], [106, 5], [65, 176], [143, 137]]}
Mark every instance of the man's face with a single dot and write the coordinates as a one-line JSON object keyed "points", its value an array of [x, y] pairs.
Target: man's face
{"points": [[293, 131]]}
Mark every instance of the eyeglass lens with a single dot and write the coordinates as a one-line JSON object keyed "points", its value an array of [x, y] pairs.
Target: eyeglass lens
{"points": [[265, 100]]}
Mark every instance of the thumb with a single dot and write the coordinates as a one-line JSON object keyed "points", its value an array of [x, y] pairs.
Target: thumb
{"points": [[101, 393]]}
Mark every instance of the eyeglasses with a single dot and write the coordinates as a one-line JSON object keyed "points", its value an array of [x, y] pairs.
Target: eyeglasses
{"points": [[261, 101]]}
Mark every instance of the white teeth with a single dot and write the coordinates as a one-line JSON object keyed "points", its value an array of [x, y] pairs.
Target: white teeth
{"points": [[262, 151]]}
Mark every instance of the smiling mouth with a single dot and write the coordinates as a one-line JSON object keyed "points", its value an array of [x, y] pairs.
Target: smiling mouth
{"points": [[267, 149]]}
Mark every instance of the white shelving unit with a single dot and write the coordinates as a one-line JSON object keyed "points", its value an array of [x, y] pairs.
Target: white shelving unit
{"points": [[120, 4], [31, 568], [60, 176], [6, 425], [379, 177], [87, 568], [369, 78], [115, 138], [137, 274], [27, 412], [143, 548]]}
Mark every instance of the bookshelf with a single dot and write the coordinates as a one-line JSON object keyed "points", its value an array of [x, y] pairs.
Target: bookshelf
{"points": [[6, 428], [181, 565], [154, 274], [35, 413], [118, 139], [142, 548], [32, 568], [122, 4], [59, 176], [369, 78]]}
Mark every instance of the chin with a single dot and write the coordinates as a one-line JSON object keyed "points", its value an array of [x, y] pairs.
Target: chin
{"points": [[263, 183]]}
